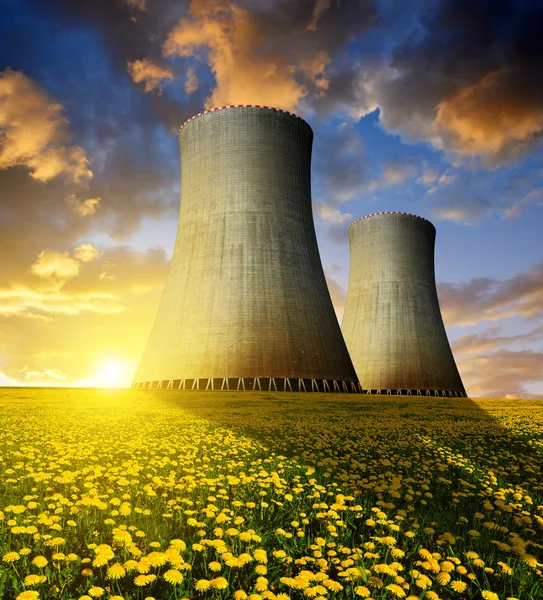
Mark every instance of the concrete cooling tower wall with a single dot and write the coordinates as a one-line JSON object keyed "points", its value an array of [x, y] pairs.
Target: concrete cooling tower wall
{"points": [[246, 304], [392, 322]]}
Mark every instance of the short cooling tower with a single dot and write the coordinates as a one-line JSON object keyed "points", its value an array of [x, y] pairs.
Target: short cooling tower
{"points": [[246, 304], [392, 322]]}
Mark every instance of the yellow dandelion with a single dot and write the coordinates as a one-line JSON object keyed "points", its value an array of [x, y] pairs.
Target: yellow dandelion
{"points": [[116, 571], [202, 585], [173, 576], [11, 557], [362, 591], [397, 590], [131, 565], [156, 559], [530, 560], [443, 578], [489, 595], [219, 583], [240, 595], [215, 566], [96, 591], [459, 586], [28, 595], [32, 579], [141, 580]]}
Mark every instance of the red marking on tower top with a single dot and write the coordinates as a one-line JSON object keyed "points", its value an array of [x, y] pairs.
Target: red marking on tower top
{"points": [[389, 213], [281, 110]]}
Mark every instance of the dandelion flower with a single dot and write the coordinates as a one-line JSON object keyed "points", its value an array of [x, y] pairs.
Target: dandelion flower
{"points": [[11, 557], [215, 566], [141, 580], [362, 591], [459, 586], [32, 579], [174, 577], [202, 585], [156, 559], [240, 595], [28, 595], [397, 590], [116, 571], [96, 591], [490, 595], [219, 583], [530, 560]]}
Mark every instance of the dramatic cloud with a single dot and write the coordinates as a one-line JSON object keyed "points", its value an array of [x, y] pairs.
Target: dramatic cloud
{"points": [[465, 78], [266, 53], [85, 207], [34, 132], [486, 299], [150, 74], [489, 118], [230, 34]]}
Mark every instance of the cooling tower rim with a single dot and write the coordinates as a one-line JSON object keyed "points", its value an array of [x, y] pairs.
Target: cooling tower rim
{"points": [[389, 213], [228, 106]]}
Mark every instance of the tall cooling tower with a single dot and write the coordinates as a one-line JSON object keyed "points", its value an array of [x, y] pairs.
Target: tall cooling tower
{"points": [[392, 322], [246, 304]]}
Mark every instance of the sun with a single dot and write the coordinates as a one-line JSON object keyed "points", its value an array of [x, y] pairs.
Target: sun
{"points": [[112, 372]]}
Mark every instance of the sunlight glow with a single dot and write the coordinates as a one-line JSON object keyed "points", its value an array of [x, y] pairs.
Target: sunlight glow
{"points": [[112, 373]]}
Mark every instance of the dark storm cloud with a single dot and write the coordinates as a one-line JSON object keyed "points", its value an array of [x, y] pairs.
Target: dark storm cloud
{"points": [[463, 75]]}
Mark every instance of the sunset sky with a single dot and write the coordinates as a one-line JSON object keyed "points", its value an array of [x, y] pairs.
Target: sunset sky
{"points": [[433, 108]]}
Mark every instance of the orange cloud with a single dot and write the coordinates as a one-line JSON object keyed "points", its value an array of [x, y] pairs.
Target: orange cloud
{"points": [[34, 132], [149, 73], [192, 82], [232, 42], [84, 208], [488, 117]]}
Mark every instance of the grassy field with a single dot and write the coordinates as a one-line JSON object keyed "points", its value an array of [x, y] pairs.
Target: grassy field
{"points": [[173, 495]]}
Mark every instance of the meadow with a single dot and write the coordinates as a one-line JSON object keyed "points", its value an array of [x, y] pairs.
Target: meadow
{"points": [[141, 494]]}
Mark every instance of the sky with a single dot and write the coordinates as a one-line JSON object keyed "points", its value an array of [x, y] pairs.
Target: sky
{"points": [[433, 108]]}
